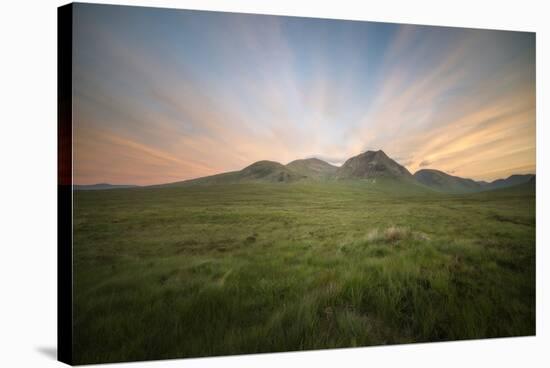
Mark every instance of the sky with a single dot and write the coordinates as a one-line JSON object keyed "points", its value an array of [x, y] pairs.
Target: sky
{"points": [[164, 95]]}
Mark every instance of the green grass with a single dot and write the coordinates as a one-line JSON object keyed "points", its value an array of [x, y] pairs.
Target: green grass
{"points": [[248, 268]]}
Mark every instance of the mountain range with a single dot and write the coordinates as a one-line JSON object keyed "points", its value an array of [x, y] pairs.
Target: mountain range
{"points": [[369, 165]]}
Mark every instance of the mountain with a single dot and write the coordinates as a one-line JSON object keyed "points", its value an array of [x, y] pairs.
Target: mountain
{"points": [[444, 182], [269, 171], [372, 164], [510, 181], [103, 186], [261, 171], [312, 168]]}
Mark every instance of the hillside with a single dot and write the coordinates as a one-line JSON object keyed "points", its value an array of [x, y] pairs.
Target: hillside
{"points": [[372, 164], [269, 171], [261, 171], [444, 182], [312, 168], [510, 181]]}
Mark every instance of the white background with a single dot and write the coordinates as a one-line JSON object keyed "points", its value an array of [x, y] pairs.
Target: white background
{"points": [[28, 154]]}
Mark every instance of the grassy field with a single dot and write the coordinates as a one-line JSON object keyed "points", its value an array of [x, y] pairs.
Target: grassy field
{"points": [[248, 268]]}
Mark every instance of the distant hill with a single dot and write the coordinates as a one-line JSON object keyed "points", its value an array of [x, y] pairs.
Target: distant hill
{"points": [[510, 181], [526, 188], [529, 185], [312, 168], [372, 164], [103, 186], [444, 182]]}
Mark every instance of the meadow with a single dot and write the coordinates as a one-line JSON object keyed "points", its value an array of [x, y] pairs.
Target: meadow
{"points": [[250, 268]]}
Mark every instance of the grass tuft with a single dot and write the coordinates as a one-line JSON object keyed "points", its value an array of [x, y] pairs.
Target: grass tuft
{"points": [[394, 234]]}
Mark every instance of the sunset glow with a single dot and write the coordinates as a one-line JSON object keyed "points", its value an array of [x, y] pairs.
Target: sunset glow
{"points": [[163, 95]]}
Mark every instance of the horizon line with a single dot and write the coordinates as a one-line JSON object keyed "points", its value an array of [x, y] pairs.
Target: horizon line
{"points": [[306, 158]]}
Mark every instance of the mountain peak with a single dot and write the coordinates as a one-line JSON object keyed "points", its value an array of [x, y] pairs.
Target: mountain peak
{"points": [[371, 164], [262, 164], [373, 152]]}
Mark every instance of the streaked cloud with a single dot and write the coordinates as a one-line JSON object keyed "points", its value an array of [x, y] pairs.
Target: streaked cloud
{"points": [[163, 95]]}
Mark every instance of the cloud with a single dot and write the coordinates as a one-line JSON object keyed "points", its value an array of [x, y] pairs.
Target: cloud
{"points": [[162, 98]]}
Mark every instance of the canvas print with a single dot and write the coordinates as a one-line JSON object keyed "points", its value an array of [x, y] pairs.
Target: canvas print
{"points": [[243, 183]]}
